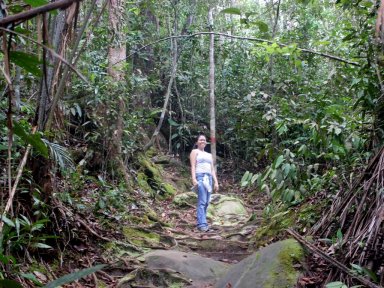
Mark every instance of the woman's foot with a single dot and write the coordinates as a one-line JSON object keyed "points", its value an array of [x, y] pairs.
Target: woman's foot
{"points": [[203, 229]]}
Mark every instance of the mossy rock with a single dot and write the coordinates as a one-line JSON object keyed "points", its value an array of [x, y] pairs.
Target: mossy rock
{"points": [[201, 271], [185, 199], [226, 210], [150, 179], [142, 237], [273, 227], [272, 266], [114, 250]]}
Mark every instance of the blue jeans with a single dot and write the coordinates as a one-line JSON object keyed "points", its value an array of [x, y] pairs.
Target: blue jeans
{"points": [[203, 197]]}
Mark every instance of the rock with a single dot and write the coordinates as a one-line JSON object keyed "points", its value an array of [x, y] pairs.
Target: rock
{"points": [[199, 269], [188, 198], [226, 210], [271, 266]]}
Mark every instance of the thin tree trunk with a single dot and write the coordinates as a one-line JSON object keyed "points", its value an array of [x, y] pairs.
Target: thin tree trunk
{"points": [[66, 71], [46, 88], [212, 121], [116, 57], [167, 96], [271, 59]]}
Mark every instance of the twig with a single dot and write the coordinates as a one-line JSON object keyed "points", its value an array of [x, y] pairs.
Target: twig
{"points": [[106, 275], [330, 260], [243, 38], [93, 274], [92, 231]]}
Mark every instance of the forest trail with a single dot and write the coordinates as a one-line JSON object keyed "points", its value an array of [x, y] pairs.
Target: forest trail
{"points": [[228, 241]]}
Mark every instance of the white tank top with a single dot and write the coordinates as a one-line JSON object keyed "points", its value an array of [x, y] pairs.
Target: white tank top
{"points": [[203, 162]]}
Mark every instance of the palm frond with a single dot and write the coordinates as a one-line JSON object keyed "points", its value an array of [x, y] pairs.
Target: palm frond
{"points": [[60, 155]]}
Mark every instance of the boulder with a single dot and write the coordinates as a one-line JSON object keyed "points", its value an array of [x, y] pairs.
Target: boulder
{"points": [[271, 266], [226, 210], [201, 271], [183, 199]]}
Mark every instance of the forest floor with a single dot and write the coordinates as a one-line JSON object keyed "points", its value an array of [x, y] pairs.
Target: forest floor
{"points": [[175, 225], [121, 239]]}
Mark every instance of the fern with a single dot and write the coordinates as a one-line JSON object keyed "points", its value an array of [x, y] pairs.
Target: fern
{"points": [[60, 155]]}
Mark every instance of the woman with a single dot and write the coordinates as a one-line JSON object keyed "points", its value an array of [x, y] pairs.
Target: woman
{"points": [[203, 173]]}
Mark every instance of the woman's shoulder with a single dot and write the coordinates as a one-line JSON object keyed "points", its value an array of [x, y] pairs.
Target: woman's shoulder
{"points": [[194, 151]]}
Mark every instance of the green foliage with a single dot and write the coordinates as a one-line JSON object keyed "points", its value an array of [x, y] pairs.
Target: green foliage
{"points": [[74, 276], [22, 234], [32, 139], [5, 283], [36, 3], [26, 61], [60, 155]]}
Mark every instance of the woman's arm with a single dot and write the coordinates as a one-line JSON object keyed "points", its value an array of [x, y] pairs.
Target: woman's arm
{"points": [[192, 159]]}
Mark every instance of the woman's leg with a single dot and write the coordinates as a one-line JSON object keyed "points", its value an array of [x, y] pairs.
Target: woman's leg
{"points": [[202, 203]]}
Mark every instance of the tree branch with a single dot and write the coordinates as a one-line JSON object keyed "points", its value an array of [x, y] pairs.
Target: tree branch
{"points": [[243, 38], [23, 16], [54, 54]]}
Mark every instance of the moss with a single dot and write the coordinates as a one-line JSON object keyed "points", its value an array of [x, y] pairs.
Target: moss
{"points": [[136, 219], [273, 227], [170, 190], [140, 237], [286, 275], [309, 214], [151, 179], [142, 182], [112, 251]]}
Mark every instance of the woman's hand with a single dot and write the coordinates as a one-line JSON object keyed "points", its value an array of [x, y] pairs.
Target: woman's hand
{"points": [[194, 182], [216, 187]]}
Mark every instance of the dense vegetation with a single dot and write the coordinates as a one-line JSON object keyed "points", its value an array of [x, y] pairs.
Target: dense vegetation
{"points": [[299, 101]]}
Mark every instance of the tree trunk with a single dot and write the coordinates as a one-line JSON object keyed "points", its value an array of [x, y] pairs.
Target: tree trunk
{"points": [[46, 87], [116, 60], [212, 88]]}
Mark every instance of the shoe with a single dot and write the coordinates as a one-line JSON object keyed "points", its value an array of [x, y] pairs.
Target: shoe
{"points": [[203, 229]]}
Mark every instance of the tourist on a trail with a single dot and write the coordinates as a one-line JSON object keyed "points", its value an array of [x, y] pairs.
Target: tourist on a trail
{"points": [[203, 174]]}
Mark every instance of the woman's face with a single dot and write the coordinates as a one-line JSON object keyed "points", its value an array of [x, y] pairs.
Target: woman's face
{"points": [[201, 142]]}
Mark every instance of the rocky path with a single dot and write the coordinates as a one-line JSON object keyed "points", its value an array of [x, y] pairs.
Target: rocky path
{"points": [[171, 252]]}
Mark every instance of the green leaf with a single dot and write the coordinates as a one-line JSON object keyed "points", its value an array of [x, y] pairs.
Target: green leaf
{"points": [[26, 61], [336, 284], [173, 123], [33, 139], [263, 27], [339, 235], [41, 245], [279, 160], [5, 283], [74, 276], [7, 221], [231, 10], [31, 277], [36, 3]]}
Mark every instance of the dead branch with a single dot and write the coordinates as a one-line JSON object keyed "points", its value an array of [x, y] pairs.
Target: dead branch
{"points": [[312, 248], [23, 16], [89, 229]]}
